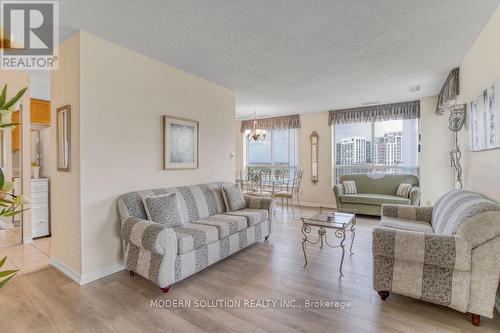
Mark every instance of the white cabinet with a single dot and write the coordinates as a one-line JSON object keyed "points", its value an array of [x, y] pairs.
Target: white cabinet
{"points": [[39, 205]]}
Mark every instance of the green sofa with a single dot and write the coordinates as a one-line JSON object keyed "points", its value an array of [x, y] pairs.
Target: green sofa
{"points": [[373, 192]]}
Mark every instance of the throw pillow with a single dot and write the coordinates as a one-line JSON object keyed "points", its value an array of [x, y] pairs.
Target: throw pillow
{"points": [[164, 209], [404, 190], [233, 197], [349, 187]]}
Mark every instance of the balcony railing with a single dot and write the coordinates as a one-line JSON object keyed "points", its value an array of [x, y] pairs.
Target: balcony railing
{"points": [[373, 169], [267, 178]]}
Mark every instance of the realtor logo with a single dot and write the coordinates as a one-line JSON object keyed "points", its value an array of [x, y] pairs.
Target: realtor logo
{"points": [[29, 35]]}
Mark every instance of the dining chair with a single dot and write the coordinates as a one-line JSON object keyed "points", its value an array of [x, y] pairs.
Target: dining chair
{"points": [[292, 190]]}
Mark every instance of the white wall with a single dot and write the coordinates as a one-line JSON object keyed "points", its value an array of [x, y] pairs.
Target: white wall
{"points": [[123, 98], [40, 84]]}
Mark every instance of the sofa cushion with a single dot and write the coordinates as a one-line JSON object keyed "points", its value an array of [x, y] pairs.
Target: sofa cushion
{"points": [[253, 215], [404, 190], [373, 199], [404, 224], [349, 187], [226, 224], [192, 236], [196, 201], [164, 209], [233, 197]]}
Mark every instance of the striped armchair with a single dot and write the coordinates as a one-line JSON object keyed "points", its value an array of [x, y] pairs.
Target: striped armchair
{"points": [[448, 254]]}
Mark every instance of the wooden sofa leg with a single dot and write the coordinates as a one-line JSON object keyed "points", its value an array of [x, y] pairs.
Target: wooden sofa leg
{"points": [[132, 273], [266, 238], [476, 319], [165, 290], [383, 295]]}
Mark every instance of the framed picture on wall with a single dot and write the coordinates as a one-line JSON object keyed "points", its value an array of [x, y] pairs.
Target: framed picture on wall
{"points": [[63, 129], [484, 121], [180, 143]]}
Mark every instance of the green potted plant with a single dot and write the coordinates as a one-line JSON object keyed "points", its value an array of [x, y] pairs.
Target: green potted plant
{"points": [[10, 204]]}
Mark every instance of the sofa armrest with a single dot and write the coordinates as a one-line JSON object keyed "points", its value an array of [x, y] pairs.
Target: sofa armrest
{"points": [[415, 195], [149, 235], [444, 251], [260, 203], [408, 212], [338, 190]]}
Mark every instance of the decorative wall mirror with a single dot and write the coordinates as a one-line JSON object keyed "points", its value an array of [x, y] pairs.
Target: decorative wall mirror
{"points": [[63, 138], [314, 157]]}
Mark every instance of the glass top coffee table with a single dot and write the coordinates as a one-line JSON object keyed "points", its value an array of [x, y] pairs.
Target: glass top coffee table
{"points": [[341, 221]]}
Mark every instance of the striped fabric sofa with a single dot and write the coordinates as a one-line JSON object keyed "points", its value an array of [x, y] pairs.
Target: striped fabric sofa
{"points": [[448, 254], [167, 255]]}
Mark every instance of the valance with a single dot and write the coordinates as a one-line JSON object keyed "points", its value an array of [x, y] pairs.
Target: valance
{"points": [[449, 91], [292, 121], [395, 111]]}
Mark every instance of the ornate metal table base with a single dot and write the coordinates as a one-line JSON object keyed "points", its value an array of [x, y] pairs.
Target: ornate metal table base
{"points": [[322, 239]]}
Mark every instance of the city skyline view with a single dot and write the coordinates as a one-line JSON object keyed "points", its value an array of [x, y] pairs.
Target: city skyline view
{"points": [[387, 146]]}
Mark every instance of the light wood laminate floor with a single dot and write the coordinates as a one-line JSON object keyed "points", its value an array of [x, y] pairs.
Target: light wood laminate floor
{"points": [[48, 301], [27, 258]]}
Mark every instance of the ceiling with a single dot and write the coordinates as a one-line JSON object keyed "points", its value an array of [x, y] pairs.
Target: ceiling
{"points": [[286, 56]]}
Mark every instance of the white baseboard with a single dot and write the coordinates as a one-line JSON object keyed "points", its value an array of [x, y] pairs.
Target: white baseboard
{"points": [[100, 273], [69, 272], [85, 278]]}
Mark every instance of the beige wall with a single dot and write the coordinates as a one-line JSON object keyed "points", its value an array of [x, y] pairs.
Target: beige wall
{"points": [[320, 193], [239, 151], [123, 98], [480, 68], [118, 98], [436, 175], [65, 186]]}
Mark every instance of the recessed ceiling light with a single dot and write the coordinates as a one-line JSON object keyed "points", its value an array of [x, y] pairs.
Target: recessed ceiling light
{"points": [[414, 88]]}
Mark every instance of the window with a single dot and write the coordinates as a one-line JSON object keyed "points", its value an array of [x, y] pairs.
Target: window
{"points": [[378, 147], [278, 150]]}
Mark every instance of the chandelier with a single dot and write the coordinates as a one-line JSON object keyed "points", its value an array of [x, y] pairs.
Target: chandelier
{"points": [[255, 133]]}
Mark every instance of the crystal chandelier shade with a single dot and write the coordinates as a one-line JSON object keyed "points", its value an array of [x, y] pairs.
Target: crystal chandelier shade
{"points": [[255, 133]]}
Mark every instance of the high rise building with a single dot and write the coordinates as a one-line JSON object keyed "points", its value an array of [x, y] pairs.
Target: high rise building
{"points": [[368, 151], [351, 151], [389, 149], [338, 153]]}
